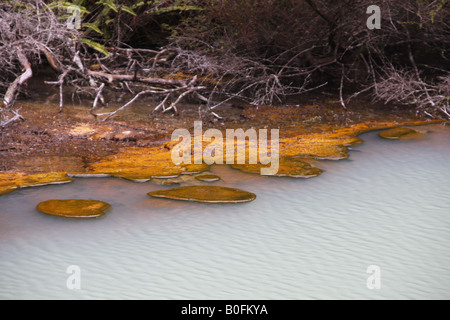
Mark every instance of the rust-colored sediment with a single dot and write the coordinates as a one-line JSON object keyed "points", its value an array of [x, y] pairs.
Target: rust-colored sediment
{"points": [[10, 181], [297, 147], [144, 163]]}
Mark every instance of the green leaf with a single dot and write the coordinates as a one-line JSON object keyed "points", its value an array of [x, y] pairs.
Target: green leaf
{"points": [[139, 4], [108, 3], [96, 46], [92, 26], [128, 9], [66, 5], [52, 5], [108, 21]]}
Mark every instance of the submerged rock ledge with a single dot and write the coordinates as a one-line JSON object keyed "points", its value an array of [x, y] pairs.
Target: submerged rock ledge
{"points": [[288, 167], [207, 178], [208, 194], [10, 181], [401, 134]]}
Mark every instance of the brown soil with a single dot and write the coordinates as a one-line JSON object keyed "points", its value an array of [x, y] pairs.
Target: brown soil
{"points": [[76, 134], [67, 141]]}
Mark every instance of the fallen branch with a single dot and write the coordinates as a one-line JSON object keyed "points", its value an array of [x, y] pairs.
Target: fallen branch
{"points": [[60, 83], [98, 96], [13, 89], [17, 116], [173, 105], [341, 98], [126, 77], [53, 62], [186, 89]]}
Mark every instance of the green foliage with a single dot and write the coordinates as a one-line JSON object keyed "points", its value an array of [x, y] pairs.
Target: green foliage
{"points": [[92, 27], [96, 46], [59, 4], [108, 3], [112, 22], [128, 10], [100, 18]]}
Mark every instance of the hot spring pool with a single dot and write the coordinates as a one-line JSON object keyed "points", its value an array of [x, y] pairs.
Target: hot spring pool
{"points": [[388, 206]]}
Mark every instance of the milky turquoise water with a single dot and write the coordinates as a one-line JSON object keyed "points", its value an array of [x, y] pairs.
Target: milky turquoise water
{"points": [[388, 206]]}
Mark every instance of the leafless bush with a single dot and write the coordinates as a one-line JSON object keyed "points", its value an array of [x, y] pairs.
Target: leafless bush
{"points": [[269, 49], [406, 87], [245, 78], [37, 31], [29, 31]]}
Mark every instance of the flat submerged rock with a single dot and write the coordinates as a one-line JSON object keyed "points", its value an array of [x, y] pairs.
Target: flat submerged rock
{"points": [[290, 166], [209, 194], [400, 134], [208, 178], [74, 208]]}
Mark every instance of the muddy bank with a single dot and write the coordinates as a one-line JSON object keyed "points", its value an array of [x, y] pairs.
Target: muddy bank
{"points": [[134, 144]]}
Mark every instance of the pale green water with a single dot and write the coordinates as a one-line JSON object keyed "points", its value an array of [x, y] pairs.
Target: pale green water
{"points": [[389, 205]]}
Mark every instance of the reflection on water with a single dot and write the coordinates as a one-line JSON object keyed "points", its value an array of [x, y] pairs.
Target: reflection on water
{"points": [[389, 205]]}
